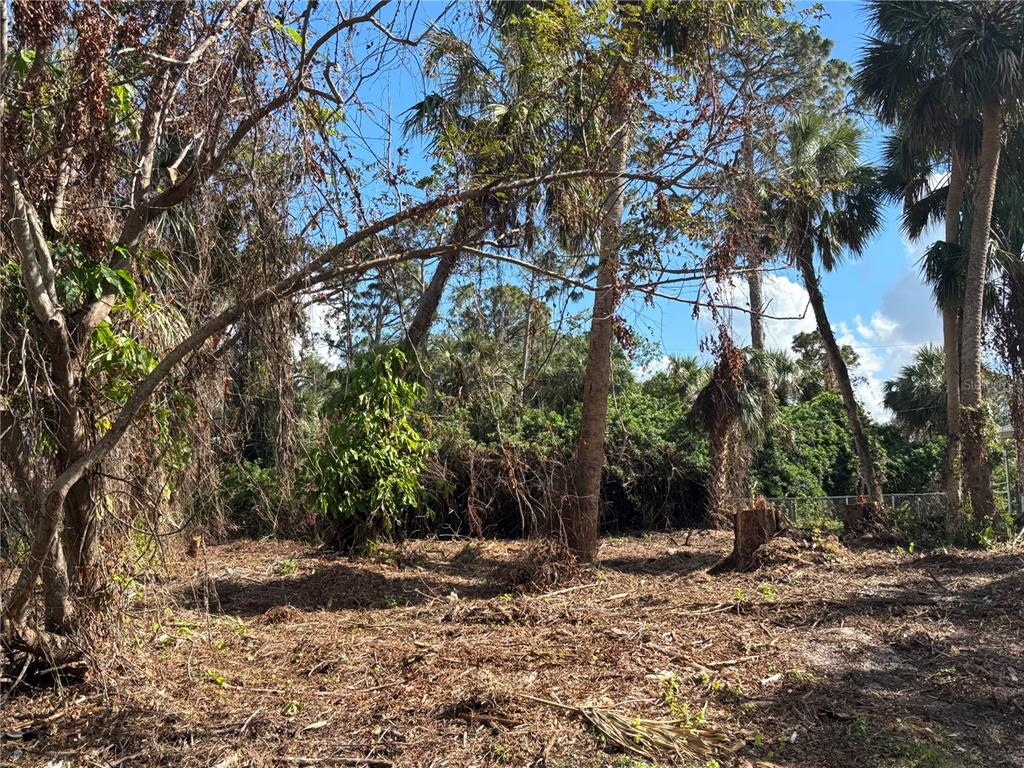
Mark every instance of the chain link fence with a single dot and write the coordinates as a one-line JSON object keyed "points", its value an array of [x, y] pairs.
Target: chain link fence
{"points": [[919, 510]]}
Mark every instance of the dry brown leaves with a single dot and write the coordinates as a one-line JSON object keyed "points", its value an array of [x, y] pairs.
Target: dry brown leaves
{"points": [[424, 659]]}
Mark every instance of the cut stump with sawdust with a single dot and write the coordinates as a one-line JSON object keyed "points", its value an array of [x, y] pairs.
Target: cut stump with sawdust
{"points": [[752, 529], [859, 517]]}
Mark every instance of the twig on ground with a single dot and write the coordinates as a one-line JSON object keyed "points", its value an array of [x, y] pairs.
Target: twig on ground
{"points": [[249, 720], [567, 589], [358, 762]]}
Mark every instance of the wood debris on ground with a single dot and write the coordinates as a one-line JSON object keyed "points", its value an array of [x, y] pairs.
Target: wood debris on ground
{"points": [[268, 653]]}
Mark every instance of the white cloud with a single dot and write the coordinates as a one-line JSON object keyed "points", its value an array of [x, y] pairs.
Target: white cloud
{"points": [[785, 302], [790, 312], [872, 369], [905, 320], [659, 364], [885, 341]]}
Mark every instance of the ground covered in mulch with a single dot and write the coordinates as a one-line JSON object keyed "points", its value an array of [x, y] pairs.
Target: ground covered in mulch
{"points": [[458, 653]]}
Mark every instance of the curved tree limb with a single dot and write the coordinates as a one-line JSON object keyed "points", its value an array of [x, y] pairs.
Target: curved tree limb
{"points": [[313, 273]]}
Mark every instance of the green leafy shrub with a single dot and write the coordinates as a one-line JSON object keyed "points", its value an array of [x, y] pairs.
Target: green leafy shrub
{"points": [[366, 472], [920, 525], [253, 496], [910, 466]]}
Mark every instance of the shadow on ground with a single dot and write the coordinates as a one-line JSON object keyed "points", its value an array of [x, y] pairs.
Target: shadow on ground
{"points": [[911, 679], [334, 586], [677, 563], [903, 712]]}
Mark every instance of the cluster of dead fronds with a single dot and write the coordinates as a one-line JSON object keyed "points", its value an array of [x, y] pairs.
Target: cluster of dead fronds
{"points": [[543, 565]]}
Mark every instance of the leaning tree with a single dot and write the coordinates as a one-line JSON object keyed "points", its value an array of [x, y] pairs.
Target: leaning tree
{"points": [[113, 119], [828, 205]]}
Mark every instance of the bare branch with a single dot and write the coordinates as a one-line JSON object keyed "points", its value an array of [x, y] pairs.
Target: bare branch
{"points": [[179, 191], [36, 267]]}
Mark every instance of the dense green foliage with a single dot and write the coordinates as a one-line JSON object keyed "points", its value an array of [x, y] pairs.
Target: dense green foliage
{"points": [[495, 460], [364, 472]]}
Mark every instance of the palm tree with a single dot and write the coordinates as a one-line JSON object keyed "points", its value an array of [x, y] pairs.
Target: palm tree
{"points": [[452, 119], [917, 397], [905, 76], [737, 407], [1008, 305], [828, 203], [1012, 337], [934, 70], [486, 119], [987, 64], [908, 177]]}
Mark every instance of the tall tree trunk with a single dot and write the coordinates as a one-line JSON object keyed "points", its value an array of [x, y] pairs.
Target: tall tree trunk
{"points": [[755, 280], [755, 287], [430, 299], [865, 457], [583, 507], [1017, 420], [977, 473], [951, 350], [1014, 352]]}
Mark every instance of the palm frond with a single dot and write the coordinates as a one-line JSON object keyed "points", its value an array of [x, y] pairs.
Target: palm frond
{"points": [[945, 268], [917, 396]]}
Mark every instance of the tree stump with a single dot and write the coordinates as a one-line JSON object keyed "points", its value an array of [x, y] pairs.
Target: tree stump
{"points": [[752, 529], [858, 517]]}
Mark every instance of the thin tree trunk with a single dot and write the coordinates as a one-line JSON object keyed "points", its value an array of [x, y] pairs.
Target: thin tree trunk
{"points": [[755, 286], [584, 505], [430, 299], [1017, 420], [951, 350], [977, 473], [527, 337], [865, 457], [719, 448]]}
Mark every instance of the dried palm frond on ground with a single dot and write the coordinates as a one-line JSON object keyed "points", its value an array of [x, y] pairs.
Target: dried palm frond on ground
{"points": [[654, 739]]}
